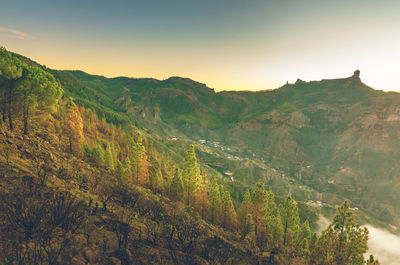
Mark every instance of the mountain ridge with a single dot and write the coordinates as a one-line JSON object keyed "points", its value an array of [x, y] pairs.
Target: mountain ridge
{"points": [[356, 75]]}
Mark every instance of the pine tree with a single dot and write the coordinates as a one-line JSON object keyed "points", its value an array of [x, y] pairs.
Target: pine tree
{"points": [[142, 170], [313, 246], [249, 228], [259, 198], [24, 88], [10, 73], [98, 154], [245, 208], [115, 152], [350, 237], [177, 186], [214, 197], [276, 228], [202, 203], [73, 128], [191, 176], [271, 220], [343, 242], [157, 181], [126, 171], [37, 88], [229, 216], [134, 164], [305, 231], [290, 220], [109, 157], [303, 240], [303, 248]]}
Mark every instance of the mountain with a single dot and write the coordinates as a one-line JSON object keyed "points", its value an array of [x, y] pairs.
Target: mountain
{"points": [[145, 171], [339, 136]]}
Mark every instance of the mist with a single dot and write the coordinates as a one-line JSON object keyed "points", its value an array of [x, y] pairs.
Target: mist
{"points": [[322, 223], [384, 245]]}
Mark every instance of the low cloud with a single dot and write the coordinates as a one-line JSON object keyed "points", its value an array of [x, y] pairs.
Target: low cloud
{"points": [[16, 34], [384, 246], [322, 224]]}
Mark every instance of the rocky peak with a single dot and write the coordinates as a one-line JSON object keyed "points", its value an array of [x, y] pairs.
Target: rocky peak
{"points": [[356, 74]]}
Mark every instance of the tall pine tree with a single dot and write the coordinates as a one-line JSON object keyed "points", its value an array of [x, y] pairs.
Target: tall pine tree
{"points": [[109, 157], [191, 176], [73, 128], [259, 198], [272, 221], [290, 220], [229, 216], [141, 170], [344, 241], [177, 186], [36, 89], [245, 208], [214, 197], [303, 239], [10, 72]]}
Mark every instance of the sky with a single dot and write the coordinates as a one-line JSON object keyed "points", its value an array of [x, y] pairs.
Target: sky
{"points": [[227, 44]]}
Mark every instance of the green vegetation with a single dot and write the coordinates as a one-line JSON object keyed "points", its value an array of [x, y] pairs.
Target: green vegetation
{"points": [[89, 186], [343, 242], [25, 88]]}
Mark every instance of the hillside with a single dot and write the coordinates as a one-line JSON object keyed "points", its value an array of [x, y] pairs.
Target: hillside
{"points": [[109, 171], [338, 137]]}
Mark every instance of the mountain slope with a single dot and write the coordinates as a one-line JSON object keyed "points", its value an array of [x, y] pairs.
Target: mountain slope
{"points": [[338, 130], [81, 183]]}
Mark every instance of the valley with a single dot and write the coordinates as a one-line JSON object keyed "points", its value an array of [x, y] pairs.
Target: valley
{"points": [[339, 138], [173, 167]]}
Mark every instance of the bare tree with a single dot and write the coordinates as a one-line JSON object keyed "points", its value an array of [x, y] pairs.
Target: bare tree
{"points": [[121, 230], [36, 223]]}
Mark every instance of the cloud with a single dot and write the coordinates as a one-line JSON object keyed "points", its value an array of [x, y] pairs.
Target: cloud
{"points": [[384, 246], [15, 33]]}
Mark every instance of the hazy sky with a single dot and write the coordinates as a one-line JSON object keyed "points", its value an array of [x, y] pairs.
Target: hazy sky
{"points": [[227, 44]]}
